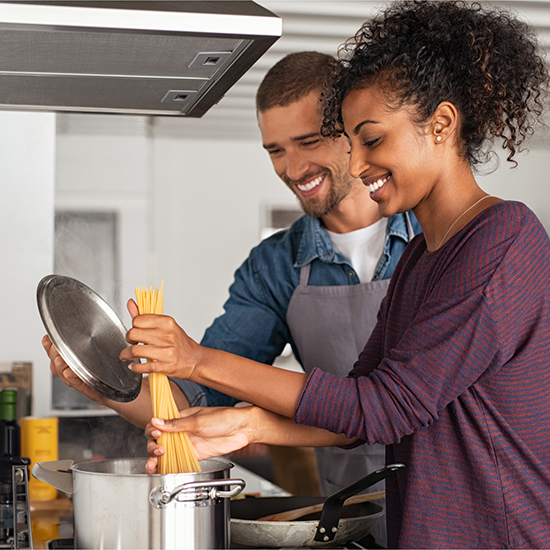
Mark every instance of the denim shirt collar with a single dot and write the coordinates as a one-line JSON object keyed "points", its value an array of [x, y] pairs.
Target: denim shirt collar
{"points": [[315, 242]]}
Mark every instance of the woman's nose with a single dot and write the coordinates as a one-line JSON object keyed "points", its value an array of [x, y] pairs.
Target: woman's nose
{"points": [[358, 164]]}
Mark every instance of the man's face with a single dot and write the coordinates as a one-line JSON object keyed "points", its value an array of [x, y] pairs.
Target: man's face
{"points": [[315, 168]]}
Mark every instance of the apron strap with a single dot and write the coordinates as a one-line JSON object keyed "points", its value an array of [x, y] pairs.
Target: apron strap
{"points": [[304, 274]]}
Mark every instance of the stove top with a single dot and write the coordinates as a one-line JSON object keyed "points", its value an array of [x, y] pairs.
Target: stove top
{"points": [[61, 544], [366, 543]]}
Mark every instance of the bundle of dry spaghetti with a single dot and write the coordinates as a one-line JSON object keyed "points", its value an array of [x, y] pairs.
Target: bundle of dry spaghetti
{"points": [[179, 456]]}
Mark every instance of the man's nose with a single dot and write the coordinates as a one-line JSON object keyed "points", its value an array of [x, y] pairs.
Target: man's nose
{"points": [[297, 166]]}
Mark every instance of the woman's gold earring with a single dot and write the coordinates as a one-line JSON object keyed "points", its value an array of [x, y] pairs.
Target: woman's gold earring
{"points": [[438, 138]]}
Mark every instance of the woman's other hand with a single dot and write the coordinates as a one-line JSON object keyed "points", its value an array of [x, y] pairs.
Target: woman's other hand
{"points": [[213, 431]]}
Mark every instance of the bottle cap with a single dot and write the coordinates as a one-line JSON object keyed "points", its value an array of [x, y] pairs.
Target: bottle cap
{"points": [[9, 396]]}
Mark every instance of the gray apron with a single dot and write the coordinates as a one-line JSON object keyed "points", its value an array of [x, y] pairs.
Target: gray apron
{"points": [[330, 326]]}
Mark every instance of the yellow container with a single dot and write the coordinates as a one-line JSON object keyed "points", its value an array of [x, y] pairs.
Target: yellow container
{"points": [[39, 442]]}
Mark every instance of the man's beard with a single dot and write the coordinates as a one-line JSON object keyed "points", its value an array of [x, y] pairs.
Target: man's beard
{"points": [[317, 207]]}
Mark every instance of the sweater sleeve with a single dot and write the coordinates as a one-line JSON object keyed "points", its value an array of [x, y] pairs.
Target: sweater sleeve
{"points": [[452, 342]]}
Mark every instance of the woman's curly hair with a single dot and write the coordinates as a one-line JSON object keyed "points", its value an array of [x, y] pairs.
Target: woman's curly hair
{"points": [[422, 52]]}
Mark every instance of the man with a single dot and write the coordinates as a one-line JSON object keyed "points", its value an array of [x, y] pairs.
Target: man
{"points": [[301, 286]]}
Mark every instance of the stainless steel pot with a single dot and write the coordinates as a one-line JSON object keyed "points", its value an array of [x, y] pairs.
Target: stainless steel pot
{"points": [[117, 505], [328, 529]]}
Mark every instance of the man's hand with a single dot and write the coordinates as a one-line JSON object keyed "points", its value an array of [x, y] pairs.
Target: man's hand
{"points": [[59, 368]]}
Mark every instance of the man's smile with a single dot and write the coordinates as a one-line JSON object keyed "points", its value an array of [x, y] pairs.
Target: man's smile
{"points": [[310, 184]]}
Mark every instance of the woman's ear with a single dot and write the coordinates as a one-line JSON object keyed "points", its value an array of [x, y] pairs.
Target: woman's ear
{"points": [[444, 121]]}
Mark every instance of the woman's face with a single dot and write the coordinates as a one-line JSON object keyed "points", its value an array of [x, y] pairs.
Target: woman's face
{"points": [[395, 157]]}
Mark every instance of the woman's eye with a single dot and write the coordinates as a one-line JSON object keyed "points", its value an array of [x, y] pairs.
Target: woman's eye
{"points": [[371, 142]]}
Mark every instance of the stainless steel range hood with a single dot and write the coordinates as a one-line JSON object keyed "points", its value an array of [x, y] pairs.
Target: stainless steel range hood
{"points": [[133, 57]]}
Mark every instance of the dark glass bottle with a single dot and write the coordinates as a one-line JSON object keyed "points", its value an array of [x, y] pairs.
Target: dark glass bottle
{"points": [[10, 451], [10, 432]]}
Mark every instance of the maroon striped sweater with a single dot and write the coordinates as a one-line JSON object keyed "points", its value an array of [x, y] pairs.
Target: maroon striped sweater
{"points": [[455, 379]]}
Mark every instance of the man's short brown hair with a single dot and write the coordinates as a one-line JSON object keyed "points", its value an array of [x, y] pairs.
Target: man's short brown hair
{"points": [[293, 77]]}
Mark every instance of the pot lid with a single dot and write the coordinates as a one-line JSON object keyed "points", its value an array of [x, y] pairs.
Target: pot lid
{"points": [[89, 336]]}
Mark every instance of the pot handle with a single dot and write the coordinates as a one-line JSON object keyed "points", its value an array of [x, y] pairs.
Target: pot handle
{"points": [[162, 496], [330, 515], [57, 473]]}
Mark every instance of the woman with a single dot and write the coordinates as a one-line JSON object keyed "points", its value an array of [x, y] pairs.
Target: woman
{"points": [[455, 377]]}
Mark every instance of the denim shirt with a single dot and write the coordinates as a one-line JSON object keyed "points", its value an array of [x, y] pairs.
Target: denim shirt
{"points": [[254, 323]]}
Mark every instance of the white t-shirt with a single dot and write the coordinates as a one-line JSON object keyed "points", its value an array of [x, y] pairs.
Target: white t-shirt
{"points": [[362, 247]]}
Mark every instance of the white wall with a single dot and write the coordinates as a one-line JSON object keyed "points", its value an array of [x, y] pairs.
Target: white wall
{"points": [[27, 168], [529, 182]]}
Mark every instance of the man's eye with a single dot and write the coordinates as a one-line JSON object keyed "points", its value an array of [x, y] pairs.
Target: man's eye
{"points": [[273, 152], [311, 142]]}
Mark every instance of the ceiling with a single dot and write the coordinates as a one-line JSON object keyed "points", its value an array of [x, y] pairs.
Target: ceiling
{"points": [[321, 25]]}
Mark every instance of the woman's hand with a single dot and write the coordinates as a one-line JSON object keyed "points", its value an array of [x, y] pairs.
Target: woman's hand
{"points": [[160, 340], [213, 431], [169, 350], [60, 369]]}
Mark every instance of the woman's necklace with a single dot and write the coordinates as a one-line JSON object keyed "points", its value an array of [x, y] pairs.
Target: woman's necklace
{"points": [[463, 213]]}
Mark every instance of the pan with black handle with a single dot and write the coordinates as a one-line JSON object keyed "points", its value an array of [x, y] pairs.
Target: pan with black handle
{"points": [[335, 525]]}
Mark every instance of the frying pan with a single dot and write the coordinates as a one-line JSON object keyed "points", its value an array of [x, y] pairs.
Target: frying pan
{"points": [[331, 528]]}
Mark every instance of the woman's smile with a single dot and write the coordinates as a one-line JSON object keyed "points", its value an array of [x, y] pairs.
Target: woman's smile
{"points": [[375, 183]]}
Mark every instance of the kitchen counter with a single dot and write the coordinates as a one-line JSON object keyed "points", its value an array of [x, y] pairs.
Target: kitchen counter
{"points": [[51, 519]]}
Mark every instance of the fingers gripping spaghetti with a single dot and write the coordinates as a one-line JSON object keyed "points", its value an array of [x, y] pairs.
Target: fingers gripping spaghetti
{"points": [[179, 454]]}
